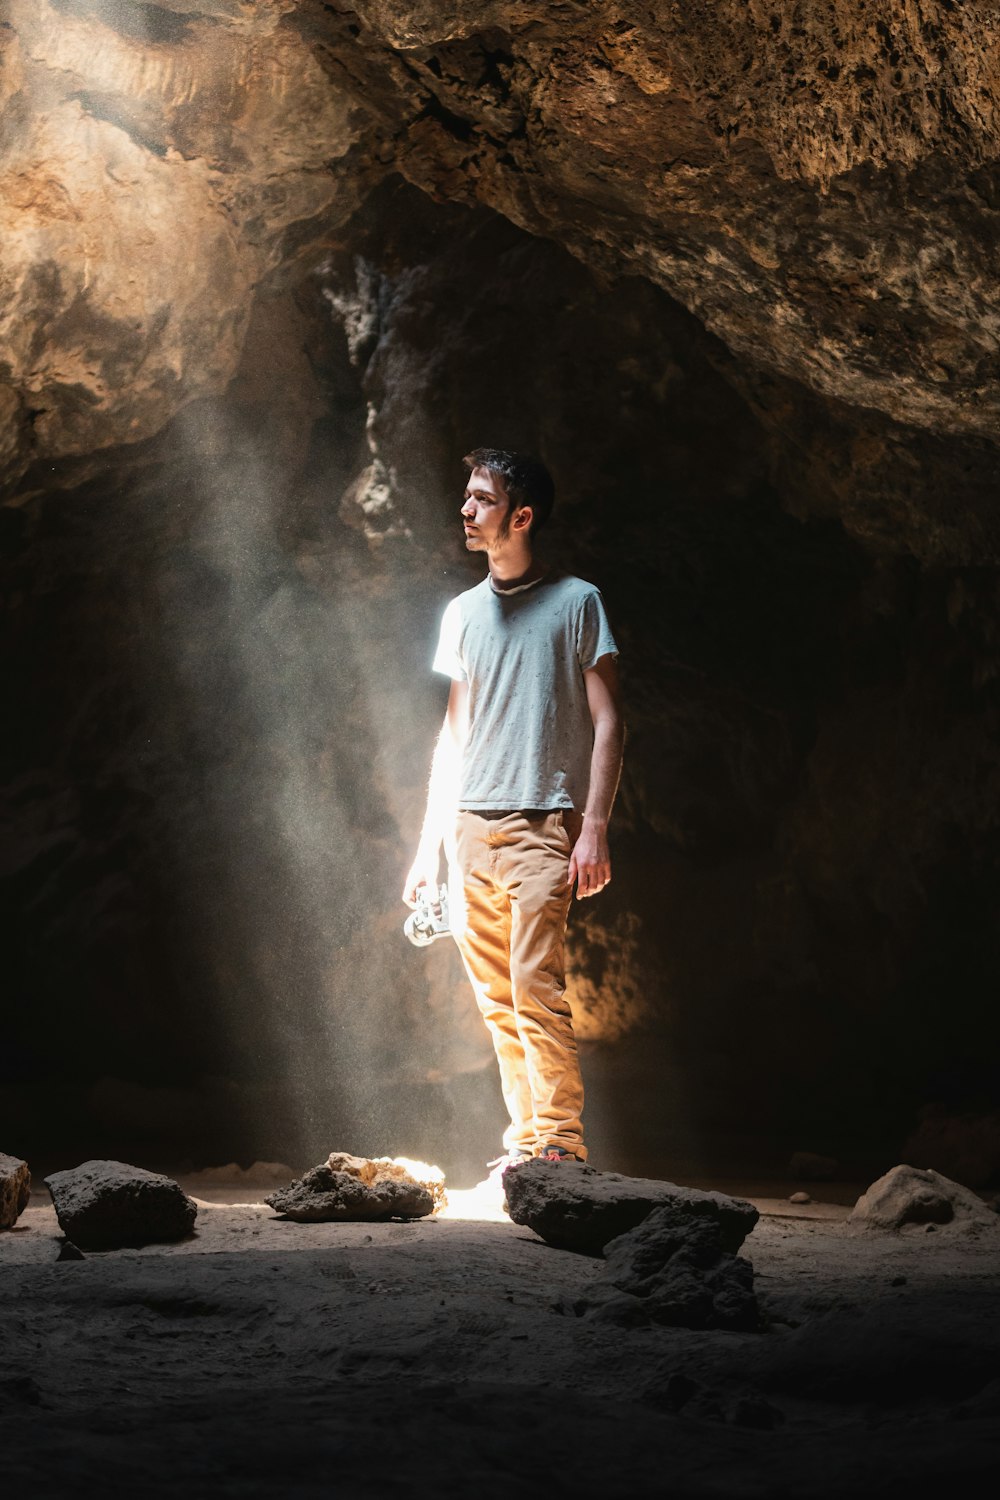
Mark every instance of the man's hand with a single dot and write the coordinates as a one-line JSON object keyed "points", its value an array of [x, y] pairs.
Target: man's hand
{"points": [[423, 871], [590, 862]]}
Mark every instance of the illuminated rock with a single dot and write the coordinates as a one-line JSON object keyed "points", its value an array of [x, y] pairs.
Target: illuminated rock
{"points": [[915, 1195], [579, 1208], [15, 1189], [374, 1170], [108, 1205], [813, 185], [142, 129], [354, 1188], [839, 249]]}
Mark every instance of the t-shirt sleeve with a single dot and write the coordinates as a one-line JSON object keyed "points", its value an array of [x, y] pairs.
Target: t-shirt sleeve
{"points": [[448, 656], [594, 638]]}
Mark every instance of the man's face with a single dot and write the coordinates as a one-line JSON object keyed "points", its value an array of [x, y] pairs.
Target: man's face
{"points": [[486, 511]]}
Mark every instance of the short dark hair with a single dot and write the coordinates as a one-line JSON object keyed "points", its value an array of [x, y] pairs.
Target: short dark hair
{"points": [[526, 480]]}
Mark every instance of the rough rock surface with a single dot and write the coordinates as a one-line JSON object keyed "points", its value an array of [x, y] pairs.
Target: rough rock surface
{"points": [[351, 1191], [755, 161], [672, 1269], [15, 1189], [818, 188], [109, 1205], [373, 1171], [579, 1208], [914, 1195], [132, 131]]}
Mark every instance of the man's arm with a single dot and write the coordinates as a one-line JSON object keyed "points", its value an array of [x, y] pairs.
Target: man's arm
{"points": [[590, 862], [442, 793]]}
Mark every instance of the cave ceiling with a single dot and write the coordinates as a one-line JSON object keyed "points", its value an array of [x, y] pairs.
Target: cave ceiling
{"points": [[817, 184]]}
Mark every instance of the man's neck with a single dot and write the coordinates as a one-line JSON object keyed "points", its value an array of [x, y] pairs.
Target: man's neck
{"points": [[513, 568]]}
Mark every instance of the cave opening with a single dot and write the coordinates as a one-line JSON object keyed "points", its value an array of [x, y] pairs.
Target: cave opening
{"points": [[218, 643]]}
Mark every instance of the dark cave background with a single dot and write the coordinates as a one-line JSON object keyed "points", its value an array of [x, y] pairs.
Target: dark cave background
{"points": [[220, 716]]}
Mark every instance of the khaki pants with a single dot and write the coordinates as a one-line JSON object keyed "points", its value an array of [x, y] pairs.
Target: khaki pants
{"points": [[509, 896]]}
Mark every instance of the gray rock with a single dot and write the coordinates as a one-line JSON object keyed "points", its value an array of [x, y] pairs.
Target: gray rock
{"points": [[678, 1263], [915, 1195], [579, 1208], [673, 1270], [324, 1194], [108, 1205], [799, 1198], [15, 1189]]}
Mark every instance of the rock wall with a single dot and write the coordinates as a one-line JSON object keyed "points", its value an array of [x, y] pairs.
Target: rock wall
{"points": [[158, 163], [817, 186], [268, 271]]}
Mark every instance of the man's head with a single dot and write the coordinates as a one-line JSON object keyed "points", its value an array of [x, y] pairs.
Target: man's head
{"points": [[523, 481]]}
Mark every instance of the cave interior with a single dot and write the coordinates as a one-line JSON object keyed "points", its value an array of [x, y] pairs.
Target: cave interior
{"points": [[232, 525], [269, 271]]}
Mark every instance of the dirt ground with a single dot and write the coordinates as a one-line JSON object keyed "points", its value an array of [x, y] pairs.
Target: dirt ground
{"points": [[267, 1358]]}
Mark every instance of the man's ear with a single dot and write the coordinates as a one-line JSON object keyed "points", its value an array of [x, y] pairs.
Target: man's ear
{"points": [[523, 519]]}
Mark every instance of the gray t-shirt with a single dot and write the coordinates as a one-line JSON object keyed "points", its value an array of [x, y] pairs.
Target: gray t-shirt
{"points": [[523, 655]]}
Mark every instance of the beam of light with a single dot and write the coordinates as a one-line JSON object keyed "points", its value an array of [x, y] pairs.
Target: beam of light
{"points": [[483, 1203], [298, 704], [280, 840]]}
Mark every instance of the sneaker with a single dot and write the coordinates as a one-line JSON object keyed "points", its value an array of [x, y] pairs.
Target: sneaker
{"points": [[496, 1169], [558, 1153]]}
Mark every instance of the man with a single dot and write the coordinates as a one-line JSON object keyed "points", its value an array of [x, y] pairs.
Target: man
{"points": [[522, 783]]}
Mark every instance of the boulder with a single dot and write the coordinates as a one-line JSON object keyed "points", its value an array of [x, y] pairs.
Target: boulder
{"points": [[915, 1195], [353, 1187], [109, 1205], [579, 1208], [673, 1270], [15, 1189]]}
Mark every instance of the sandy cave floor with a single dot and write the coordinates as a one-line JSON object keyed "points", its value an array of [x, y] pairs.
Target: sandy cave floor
{"points": [[262, 1357]]}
